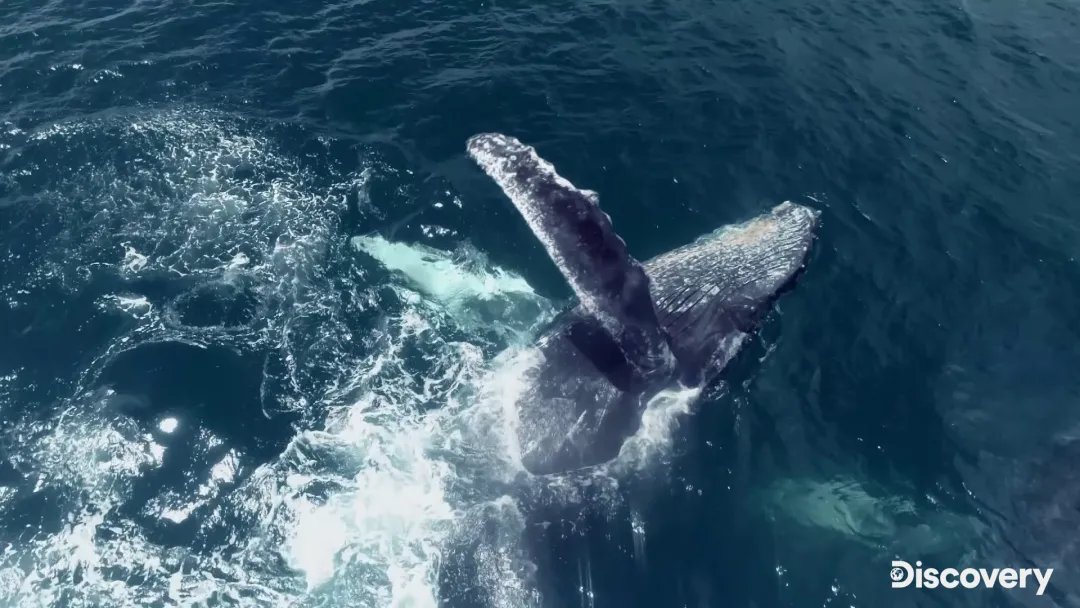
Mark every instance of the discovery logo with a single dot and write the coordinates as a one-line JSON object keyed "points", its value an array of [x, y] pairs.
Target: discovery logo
{"points": [[903, 574]]}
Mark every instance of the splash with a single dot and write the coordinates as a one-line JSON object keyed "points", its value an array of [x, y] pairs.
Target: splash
{"points": [[201, 236]]}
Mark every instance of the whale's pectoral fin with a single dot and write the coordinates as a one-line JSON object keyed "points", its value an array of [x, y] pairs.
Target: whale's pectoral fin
{"points": [[612, 286]]}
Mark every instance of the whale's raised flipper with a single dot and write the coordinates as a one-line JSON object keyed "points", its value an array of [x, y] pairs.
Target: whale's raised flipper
{"points": [[611, 285]]}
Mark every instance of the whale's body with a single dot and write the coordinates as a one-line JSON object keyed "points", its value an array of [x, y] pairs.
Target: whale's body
{"points": [[638, 329]]}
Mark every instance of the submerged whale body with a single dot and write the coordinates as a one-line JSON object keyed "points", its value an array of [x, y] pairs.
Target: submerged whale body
{"points": [[638, 329]]}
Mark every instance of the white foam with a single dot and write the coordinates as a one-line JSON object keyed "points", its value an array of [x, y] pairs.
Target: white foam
{"points": [[657, 422], [133, 260], [134, 305]]}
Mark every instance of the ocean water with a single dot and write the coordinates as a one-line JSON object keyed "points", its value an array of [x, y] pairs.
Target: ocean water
{"points": [[260, 314]]}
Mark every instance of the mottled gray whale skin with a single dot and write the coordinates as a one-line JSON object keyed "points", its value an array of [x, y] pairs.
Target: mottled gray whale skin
{"points": [[638, 329]]}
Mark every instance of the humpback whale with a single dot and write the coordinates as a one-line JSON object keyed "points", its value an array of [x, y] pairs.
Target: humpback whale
{"points": [[637, 328]]}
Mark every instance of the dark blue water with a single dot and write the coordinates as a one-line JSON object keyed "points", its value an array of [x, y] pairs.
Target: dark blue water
{"points": [[208, 396]]}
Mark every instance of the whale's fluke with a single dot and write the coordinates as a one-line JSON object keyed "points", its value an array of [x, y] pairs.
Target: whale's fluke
{"points": [[612, 286]]}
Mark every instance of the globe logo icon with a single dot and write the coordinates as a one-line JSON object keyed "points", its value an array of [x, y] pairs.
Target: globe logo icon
{"points": [[897, 574]]}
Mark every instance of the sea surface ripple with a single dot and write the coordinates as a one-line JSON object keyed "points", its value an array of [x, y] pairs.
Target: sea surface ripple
{"points": [[259, 313]]}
